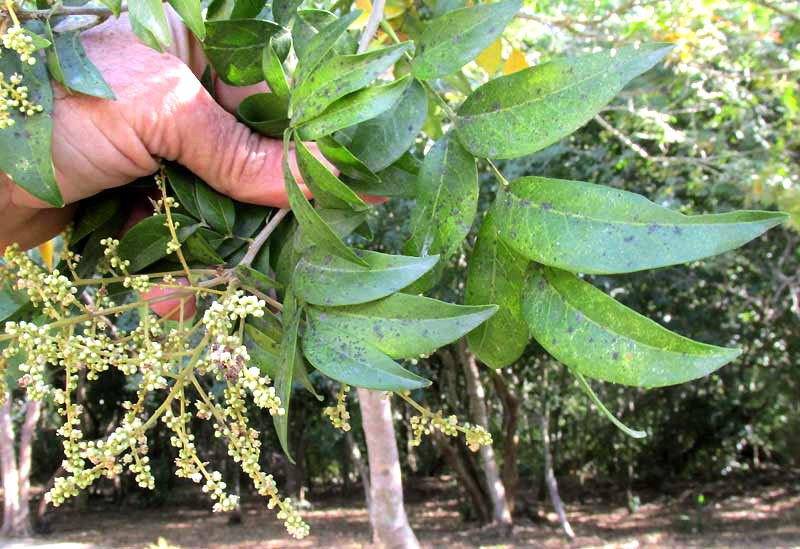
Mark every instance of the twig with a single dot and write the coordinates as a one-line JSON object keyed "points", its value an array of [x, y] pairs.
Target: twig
{"points": [[262, 237], [375, 17], [778, 10], [44, 15]]}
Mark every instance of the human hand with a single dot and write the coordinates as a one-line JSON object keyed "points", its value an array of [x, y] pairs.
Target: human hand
{"points": [[161, 111]]}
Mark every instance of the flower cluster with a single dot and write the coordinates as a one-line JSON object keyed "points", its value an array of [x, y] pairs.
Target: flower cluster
{"points": [[53, 291], [219, 317], [16, 39], [476, 437], [426, 423], [112, 257], [339, 416], [13, 95]]}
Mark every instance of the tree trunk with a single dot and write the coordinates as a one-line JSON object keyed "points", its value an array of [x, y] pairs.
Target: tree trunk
{"points": [[509, 472], [501, 514], [355, 456], [386, 512], [16, 469], [463, 471], [549, 475]]}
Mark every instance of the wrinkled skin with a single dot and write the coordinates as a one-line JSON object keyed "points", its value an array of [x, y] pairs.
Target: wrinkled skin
{"points": [[161, 110]]}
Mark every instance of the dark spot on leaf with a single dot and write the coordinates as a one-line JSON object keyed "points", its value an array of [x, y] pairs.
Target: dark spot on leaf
{"points": [[677, 230], [615, 355], [628, 239], [578, 317], [653, 228], [547, 206], [570, 329]]}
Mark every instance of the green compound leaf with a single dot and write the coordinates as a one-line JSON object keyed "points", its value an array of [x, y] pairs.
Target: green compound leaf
{"points": [[447, 198], [30, 165], [338, 77], [526, 111], [597, 336], [343, 357], [588, 228], [149, 22], [381, 141], [312, 225], [274, 74], [597, 402], [355, 108], [283, 377], [216, 209], [451, 41], [402, 325], [74, 69], [322, 279], [235, 48], [191, 12], [327, 189], [321, 44], [146, 242], [495, 274], [265, 113]]}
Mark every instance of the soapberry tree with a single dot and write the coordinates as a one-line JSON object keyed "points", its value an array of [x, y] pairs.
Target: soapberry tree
{"points": [[263, 299]]}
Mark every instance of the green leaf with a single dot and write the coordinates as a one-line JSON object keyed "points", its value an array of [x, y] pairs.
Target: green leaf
{"points": [[38, 42], [310, 23], [328, 191], [31, 165], [583, 227], [597, 402], [251, 277], [274, 75], [345, 161], [91, 251], [399, 179], [235, 48], [183, 183], [311, 223], [402, 325], [234, 9], [149, 16], [146, 242], [216, 209], [451, 41], [191, 12], [264, 351], [322, 43], [447, 198], [249, 217], [283, 377], [114, 5], [345, 358], [597, 336], [284, 11], [528, 110], [440, 7], [338, 77], [198, 251], [322, 279], [495, 274], [94, 212], [265, 113], [385, 138], [11, 301], [342, 222]]}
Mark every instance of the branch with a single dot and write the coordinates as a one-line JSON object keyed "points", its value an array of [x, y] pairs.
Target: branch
{"points": [[375, 17], [262, 237], [770, 5], [43, 15]]}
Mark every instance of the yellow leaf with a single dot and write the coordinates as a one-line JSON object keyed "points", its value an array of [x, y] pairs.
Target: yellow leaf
{"points": [[46, 251], [491, 58], [516, 62]]}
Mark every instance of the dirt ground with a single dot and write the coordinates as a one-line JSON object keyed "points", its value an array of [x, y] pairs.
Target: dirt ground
{"points": [[746, 512]]}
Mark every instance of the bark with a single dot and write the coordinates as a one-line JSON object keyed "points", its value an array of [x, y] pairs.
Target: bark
{"points": [[16, 469], [509, 472], [355, 456], [387, 513], [549, 475], [466, 477], [501, 513]]}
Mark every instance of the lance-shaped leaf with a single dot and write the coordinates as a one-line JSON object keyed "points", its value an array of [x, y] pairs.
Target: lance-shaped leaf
{"points": [[258, 280], [149, 16], [75, 70], [322, 43], [30, 165], [403, 325], [327, 189], [496, 274], [11, 301], [341, 222], [235, 48], [273, 73], [310, 221], [599, 337], [283, 377], [249, 217], [345, 161], [191, 11], [451, 41], [355, 108], [265, 113], [399, 179], [183, 183], [146, 242], [338, 77], [322, 279], [526, 111], [602, 407], [343, 357], [583, 227], [285, 10], [197, 250], [264, 351], [447, 198], [382, 140], [215, 208], [94, 212]]}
